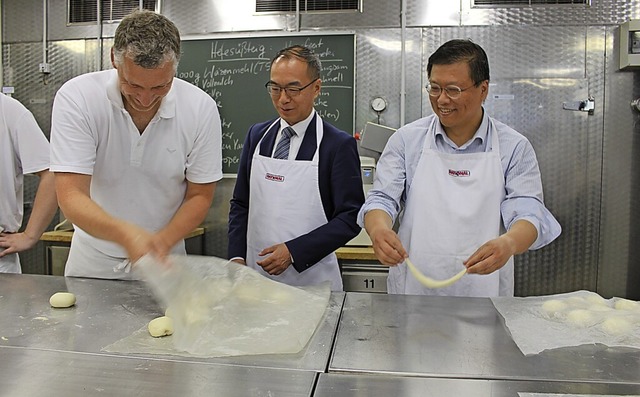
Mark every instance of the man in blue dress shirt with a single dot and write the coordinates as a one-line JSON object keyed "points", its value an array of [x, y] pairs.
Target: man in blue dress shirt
{"points": [[469, 184]]}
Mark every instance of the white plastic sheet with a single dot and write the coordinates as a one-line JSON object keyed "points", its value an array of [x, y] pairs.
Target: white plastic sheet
{"points": [[220, 308], [577, 318]]}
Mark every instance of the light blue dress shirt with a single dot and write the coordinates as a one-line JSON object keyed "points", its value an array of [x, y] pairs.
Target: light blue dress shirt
{"points": [[523, 185]]}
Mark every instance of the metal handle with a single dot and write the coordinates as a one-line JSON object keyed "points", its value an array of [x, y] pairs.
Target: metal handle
{"points": [[588, 105]]}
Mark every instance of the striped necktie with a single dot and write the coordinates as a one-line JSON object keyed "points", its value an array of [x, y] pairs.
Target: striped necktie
{"points": [[282, 150]]}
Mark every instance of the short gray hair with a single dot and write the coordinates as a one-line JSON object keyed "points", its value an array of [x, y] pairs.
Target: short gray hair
{"points": [[304, 54], [147, 38]]}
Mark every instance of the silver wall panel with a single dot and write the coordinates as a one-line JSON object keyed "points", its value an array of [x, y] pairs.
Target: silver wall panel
{"points": [[35, 90], [550, 15], [454, 13], [377, 74], [619, 238], [22, 20], [58, 29], [380, 14], [518, 51], [601, 12], [201, 17], [198, 16], [433, 13]]}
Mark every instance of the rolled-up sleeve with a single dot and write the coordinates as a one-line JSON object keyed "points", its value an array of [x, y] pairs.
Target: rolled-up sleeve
{"points": [[395, 170], [524, 195]]}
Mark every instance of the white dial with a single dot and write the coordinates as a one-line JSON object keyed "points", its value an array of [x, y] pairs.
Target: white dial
{"points": [[378, 104]]}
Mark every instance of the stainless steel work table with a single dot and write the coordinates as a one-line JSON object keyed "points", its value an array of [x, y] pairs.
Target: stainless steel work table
{"points": [[109, 310], [345, 385], [33, 373], [465, 338]]}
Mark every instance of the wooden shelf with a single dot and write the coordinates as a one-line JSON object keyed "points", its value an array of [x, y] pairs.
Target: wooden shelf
{"points": [[65, 236], [356, 253]]}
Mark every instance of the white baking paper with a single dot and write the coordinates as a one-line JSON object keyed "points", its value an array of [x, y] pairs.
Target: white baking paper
{"points": [[581, 318]]}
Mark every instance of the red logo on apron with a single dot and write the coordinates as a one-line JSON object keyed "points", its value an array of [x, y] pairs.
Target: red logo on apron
{"points": [[459, 173], [275, 178]]}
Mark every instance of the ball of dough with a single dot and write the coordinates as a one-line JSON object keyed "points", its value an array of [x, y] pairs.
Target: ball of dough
{"points": [[626, 304], [553, 306], [580, 318], [62, 300], [596, 300], [160, 326], [616, 326]]}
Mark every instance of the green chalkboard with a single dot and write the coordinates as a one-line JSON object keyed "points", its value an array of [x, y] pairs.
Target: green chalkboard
{"points": [[233, 71]]}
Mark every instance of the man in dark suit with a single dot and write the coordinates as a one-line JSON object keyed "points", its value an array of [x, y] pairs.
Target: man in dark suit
{"points": [[299, 186]]}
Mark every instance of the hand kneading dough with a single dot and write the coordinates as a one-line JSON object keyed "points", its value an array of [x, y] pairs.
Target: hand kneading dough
{"points": [[160, 326], [62, 299]]}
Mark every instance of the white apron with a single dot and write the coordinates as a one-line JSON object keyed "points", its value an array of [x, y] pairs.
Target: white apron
{"points": [[285, 203], [86, 260], [10, 264], [452, 209]]}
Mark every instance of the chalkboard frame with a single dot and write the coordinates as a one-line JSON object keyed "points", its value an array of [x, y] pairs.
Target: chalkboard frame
{"points": [[234, 138]]}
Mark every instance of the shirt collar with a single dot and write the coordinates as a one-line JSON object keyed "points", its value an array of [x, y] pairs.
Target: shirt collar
{"points": [[301, 127], [480, 135]]}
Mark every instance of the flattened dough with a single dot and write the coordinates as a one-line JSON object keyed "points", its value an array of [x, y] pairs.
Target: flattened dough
{"points": [[62, 300], [160, 326], [431, 283]]}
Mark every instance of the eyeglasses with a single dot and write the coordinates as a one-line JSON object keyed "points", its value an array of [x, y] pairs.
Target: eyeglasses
{"points": [[452, 91], [275, 90]]}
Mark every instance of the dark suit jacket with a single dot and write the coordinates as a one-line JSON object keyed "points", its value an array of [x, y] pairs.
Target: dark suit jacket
{"points": [[340, 190]]}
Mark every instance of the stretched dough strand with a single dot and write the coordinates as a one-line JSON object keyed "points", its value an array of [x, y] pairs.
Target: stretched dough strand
{"points": [[431, 283]]}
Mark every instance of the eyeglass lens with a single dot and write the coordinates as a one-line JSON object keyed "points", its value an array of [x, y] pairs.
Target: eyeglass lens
{"points": [[274, 90], [452, 91]]}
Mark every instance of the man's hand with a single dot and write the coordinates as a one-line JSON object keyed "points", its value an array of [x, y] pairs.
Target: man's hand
{"points": [[495, 253], [138, 242], [387, 247], [15, 242], [386, 244], [278, 261], [491, 255]]}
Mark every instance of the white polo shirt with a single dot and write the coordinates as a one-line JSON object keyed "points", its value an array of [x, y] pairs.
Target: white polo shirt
{"points": [[23, 150], [140, 178]]}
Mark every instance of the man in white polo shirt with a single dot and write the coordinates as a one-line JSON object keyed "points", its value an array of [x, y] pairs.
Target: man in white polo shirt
{"points": [[23, 150], [136, 152]]}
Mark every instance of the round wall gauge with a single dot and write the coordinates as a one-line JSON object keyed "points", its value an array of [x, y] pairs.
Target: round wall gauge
{"points": [[378, 104]]}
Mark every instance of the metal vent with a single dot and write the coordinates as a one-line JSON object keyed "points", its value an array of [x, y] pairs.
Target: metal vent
{"points": [[501, 3], [275, 6], [84, 11]]}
